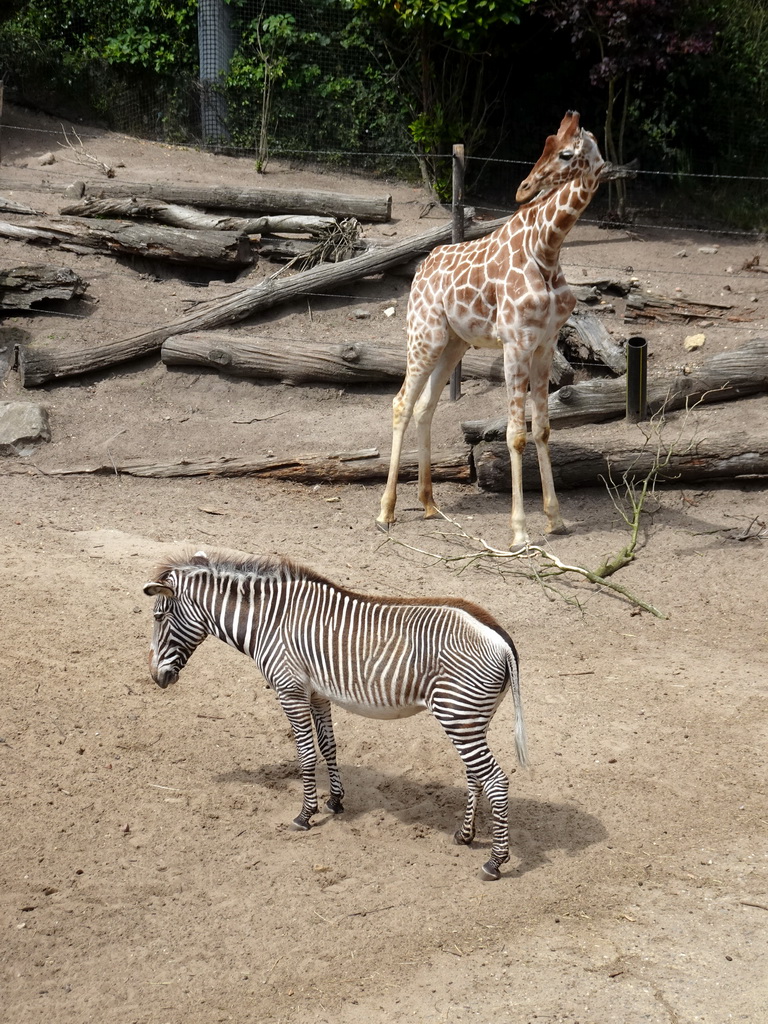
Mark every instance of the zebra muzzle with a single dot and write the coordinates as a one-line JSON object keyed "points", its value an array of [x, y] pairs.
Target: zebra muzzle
{"points": [[166, 676]]}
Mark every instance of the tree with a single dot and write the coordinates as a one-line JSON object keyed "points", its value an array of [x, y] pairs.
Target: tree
{"points": [[440, 48], [635, 41]]}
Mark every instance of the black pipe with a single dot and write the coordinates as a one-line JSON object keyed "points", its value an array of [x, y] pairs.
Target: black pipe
{"points": [[637, 379]]}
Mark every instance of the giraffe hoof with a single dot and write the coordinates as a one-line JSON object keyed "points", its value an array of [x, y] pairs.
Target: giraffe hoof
{"points": [[384, 527], [490, 872], [559, 529]]}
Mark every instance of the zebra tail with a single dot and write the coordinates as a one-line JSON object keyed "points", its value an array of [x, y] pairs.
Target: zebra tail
{"points": [[521, 740]]}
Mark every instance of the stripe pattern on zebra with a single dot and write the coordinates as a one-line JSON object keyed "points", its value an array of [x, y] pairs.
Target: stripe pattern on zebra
{"points": [[317, 643]]}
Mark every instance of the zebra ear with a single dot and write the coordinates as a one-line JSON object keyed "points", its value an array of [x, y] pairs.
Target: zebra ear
{"points": [[158, 589], [199, 558]]}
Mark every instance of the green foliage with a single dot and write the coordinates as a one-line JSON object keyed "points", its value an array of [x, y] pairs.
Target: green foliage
{"points": [[305, 54], [464, 21], [56, 50], [153, 34]]}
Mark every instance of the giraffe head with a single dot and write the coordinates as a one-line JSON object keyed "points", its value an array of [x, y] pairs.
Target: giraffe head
{"points": [[572, 153]]}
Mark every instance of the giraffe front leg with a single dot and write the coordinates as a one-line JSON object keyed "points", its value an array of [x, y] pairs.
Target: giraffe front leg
{"points": [[516, 376], [516, 441], [540, 368]]}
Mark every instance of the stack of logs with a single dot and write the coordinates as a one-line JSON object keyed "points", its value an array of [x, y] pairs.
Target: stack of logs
{"points": [[254, 222]]}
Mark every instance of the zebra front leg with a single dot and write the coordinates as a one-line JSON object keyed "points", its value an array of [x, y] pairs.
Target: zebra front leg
{"points": [[321, 715], [298, 712]]}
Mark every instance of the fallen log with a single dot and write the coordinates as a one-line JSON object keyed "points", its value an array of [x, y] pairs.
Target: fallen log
{"points": [[626, 450], [720, 378], [188, 217], [10, 206], [41, 362], [26, 286], [306, 469], [643, 307], [261, 201], [306, 362], [585, 338], [111, 238], [577, 462]]}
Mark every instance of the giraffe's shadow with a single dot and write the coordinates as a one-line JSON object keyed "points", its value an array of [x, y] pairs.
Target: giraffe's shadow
{"points": [[538, 828]]}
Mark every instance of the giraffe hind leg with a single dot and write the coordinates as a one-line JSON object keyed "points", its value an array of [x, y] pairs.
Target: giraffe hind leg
{"points": [[423, 413], [416, 377]]}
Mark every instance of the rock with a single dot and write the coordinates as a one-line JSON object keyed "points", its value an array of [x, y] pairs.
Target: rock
{"points": [[693, 341], [709, 250], [45, 159], [22, 424]]}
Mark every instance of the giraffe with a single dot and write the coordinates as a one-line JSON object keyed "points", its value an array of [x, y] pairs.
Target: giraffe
{"points": [[505, 290]]}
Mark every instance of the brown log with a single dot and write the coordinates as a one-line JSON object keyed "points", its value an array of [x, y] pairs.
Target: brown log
{"points": [[10, 206], [40, 362], [644, 306], [625, 449], [202, 248], [261, 201], [585, 337], [188, 217], [332, 469], [717, 379], [306, 362], [23, 287]]}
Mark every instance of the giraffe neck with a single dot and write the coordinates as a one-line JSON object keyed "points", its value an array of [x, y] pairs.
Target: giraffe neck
{"points": [[552, 217]]}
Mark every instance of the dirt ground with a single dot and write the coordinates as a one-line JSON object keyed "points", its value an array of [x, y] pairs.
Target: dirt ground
{"points": [[148, 871]]}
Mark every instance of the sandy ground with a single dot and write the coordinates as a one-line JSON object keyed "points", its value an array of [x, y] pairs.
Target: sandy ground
{"points": [[148, 871]]}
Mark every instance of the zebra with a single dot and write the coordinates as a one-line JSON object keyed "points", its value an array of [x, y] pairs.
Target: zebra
{"points": [[383, 657]]}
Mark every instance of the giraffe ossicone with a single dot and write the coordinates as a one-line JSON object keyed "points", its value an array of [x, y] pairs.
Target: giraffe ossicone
{"points": [[505, 290]]}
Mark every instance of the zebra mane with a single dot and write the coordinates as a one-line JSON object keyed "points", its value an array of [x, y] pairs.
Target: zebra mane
{"points": [[230, 563]]}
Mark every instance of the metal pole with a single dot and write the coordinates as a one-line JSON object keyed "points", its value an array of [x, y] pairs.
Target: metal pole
{"points": [[637, 379], [457, 235]]}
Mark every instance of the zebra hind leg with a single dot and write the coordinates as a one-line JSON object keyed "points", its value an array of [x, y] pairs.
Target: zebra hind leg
{"points": [[484, 771], [464, 835], [321, 715], [496, 786]]}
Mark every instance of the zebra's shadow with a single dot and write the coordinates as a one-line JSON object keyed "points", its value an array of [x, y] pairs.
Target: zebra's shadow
{"points": [[538, 828]]}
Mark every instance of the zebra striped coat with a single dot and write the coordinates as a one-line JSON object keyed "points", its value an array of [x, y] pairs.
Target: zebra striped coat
{"points": [[384, 657]]}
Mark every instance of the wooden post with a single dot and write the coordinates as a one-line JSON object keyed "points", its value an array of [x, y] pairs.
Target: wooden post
{"points": [[457, 235]]}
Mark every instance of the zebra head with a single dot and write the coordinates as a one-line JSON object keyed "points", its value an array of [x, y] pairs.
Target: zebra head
{"points": [[179, 627]]}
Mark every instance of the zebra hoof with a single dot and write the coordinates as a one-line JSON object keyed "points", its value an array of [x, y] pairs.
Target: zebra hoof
{"points": [[335, 807], [461, 840], [301, 824], [490, 872]]}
